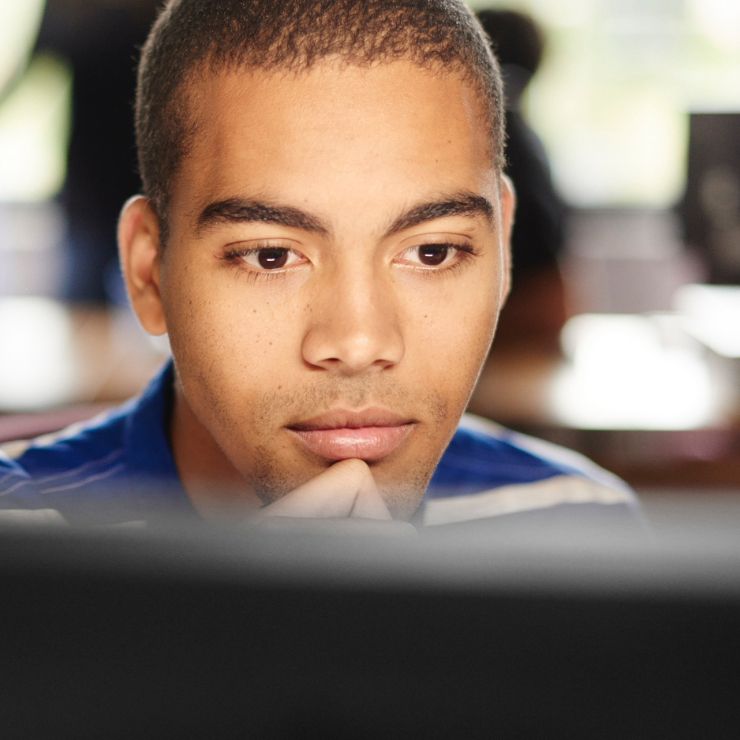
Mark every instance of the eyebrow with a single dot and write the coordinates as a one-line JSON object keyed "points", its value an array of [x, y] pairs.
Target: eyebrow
{"points": [[239, 210], [459, 204]]}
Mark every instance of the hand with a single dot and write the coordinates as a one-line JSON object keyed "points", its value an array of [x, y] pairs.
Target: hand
{"points": [[345, 490]]}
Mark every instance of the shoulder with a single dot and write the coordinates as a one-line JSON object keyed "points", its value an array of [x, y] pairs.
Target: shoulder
{"points": [[71, 449], [483, 453], [116, 467], [54, 467], [18, 496], [489, 471], [12, 476], [129, 439]]}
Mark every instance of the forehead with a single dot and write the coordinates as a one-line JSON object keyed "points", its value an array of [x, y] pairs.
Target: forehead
{"points": [[333, 134]]}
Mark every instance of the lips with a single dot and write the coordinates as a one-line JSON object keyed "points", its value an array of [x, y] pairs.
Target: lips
{"points": [[342, 434]]}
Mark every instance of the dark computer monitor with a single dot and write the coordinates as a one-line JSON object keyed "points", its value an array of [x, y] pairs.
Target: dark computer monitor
{"points": [[226, 634]]}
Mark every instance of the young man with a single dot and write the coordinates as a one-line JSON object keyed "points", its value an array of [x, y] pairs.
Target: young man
{"points": [[324, 237]]}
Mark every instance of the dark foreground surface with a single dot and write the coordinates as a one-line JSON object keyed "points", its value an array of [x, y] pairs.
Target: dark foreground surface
{"points": [[227, 634]]}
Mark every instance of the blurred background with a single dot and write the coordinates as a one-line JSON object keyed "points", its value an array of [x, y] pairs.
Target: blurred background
{"points": [[621, 338]]}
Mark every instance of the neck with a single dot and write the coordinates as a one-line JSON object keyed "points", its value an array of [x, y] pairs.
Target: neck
{"points": [[213, 484]]}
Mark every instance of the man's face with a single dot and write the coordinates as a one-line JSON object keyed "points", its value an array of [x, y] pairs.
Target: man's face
{"points": [[335, 268]]}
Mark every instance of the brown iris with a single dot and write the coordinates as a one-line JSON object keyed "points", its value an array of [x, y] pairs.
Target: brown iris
{"points": [[433, 254], [273, 258]]}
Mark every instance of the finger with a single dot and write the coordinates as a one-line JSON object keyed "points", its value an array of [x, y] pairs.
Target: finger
{"points": [[369, 503], [330, 494]]}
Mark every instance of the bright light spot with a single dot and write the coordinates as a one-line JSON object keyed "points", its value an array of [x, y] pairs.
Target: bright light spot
{"points": [[720, 21], [19, 21], [37, 368], [562, 13], [712, 314], [34, 128], [627, 148], [623, 374]]}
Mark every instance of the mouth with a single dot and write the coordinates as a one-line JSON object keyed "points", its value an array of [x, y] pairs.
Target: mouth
{"points": [[341, 434]]}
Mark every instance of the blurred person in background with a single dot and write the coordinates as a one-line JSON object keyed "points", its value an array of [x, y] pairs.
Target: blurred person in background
{"points": [[324, 236], [100, 40], [535, 311]]}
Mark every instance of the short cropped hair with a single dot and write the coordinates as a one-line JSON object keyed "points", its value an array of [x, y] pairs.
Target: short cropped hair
{"points": [[191, 37]]}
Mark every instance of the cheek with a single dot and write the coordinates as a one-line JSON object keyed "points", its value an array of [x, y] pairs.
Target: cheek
{"points": [[228, 334], [451, 331]]}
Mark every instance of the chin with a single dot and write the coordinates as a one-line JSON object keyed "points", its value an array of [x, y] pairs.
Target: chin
{"points": [[403, 493]]}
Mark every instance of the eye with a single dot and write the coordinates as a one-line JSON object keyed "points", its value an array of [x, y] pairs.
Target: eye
{"points": [[431, 255], [271, 258]]}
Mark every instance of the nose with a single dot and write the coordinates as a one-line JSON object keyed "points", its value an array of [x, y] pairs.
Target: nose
{"points": [[354, 325]]}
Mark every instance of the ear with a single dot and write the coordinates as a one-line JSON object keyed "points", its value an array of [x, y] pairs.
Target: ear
{"points": [[139, 252], [508, 208]]}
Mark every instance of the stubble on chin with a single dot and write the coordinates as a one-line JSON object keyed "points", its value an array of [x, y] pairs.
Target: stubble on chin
{"points": [[273, 471]]}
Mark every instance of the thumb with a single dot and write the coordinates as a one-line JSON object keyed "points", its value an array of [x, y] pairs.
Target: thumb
{"points": [[333, 493], [369, 503]]}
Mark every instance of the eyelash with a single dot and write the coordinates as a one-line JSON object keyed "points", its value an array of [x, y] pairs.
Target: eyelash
{"points": [[236, 258], [464, 253]]}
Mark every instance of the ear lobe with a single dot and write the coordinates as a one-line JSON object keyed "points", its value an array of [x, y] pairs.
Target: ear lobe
{"points": [[139, 252], [508, 208]]}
